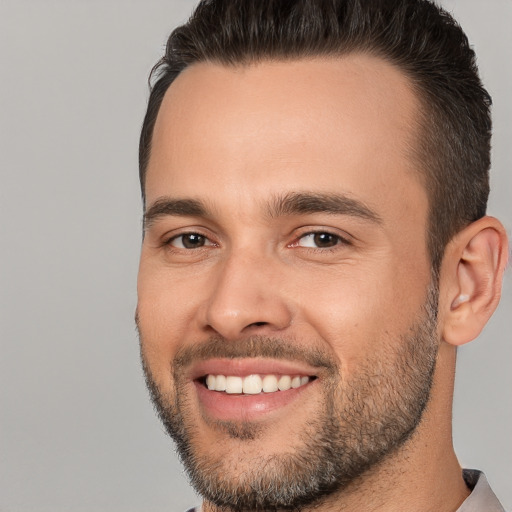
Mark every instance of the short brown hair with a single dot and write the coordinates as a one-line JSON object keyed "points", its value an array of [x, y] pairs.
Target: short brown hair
{"points": [[423, 40]]}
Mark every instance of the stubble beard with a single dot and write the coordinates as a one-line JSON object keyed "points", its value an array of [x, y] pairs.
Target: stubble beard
{"points": [[361, 421]]}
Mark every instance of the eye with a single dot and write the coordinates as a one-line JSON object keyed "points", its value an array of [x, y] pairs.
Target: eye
{"points": [[189, 241], [319, 240]]}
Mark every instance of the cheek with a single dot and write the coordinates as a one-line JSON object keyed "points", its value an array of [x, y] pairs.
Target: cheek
{"points": [[363, 311], [165, 311]]}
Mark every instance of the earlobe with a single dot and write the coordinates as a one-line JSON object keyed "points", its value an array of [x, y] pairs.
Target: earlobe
{"points": [[472, 275]]}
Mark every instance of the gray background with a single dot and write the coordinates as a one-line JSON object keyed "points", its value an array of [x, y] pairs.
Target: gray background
{"points": [[77, 430]]}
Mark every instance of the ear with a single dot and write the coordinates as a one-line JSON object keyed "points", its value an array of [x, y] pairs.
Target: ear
{"points": [[471, 278]]}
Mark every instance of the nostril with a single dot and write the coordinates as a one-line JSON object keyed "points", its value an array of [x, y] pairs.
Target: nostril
{"points": [[257, 324]]}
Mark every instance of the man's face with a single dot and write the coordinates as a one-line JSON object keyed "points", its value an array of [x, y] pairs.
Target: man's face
{"points": [[285, 248]]}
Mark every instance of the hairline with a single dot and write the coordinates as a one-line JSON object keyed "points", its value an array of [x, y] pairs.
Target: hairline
{"points": [[419, 126]]}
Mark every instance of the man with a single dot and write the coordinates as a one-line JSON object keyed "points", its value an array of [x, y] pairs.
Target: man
{"points": [[315, 178]]}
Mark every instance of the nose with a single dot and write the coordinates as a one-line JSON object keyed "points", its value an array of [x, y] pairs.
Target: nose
{"points": [[247, 297]]}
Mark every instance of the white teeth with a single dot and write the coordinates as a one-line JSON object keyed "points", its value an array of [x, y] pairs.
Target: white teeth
{"points": [[210, 381], [296, 382], [270, 383], [284, 383], [234, 384], [220, 383], [254, 384]]}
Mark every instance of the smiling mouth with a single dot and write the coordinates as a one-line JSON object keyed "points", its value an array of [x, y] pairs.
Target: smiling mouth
{"points": [[254, 384]]}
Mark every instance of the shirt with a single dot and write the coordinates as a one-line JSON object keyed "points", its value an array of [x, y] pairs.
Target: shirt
{"points": [[481, 499]]}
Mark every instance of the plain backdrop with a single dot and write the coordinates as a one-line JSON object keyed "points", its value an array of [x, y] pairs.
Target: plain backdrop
{"points": [[77, 431]]}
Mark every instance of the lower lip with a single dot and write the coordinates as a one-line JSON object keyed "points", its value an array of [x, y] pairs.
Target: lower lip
{"points": [[226, 407]]}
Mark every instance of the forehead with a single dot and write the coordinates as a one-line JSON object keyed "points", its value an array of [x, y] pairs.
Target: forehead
{"points": [[346, 123]]}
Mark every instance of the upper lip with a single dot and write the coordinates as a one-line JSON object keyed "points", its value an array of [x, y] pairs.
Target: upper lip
{"points": [[242, 367]]}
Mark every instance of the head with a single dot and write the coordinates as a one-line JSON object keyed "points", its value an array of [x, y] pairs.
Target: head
{"points": [[315, 180]]}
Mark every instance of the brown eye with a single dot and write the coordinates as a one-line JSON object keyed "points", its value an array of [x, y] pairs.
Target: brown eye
{"points": [[189, 241], [325, 240], [320, 240]]}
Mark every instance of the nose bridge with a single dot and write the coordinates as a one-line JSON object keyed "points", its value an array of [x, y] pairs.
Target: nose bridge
{"points": [[246, 295]]}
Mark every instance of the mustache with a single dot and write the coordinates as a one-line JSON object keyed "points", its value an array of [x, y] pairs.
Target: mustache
{"points": [[253, 347]]}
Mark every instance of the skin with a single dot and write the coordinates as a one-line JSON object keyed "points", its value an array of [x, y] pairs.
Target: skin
{"points": [[232, 138]]}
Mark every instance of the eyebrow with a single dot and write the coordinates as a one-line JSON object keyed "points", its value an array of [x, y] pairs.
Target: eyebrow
{"points": [[175, 207], [294, 203]]}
